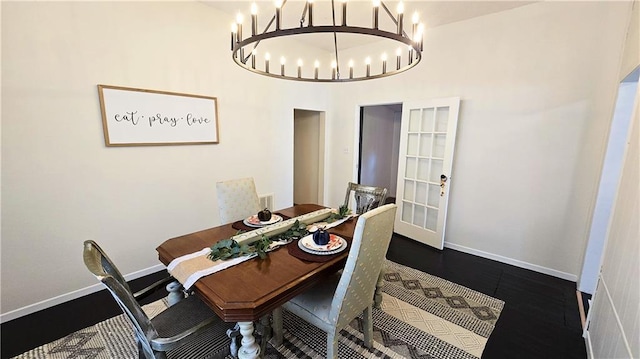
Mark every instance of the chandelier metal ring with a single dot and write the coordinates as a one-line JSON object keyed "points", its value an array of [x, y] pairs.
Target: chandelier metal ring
{"points": [[245, 63], [239, 46]]}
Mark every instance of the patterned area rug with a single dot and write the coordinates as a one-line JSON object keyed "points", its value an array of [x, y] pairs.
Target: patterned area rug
{"points": [[422, 316]]}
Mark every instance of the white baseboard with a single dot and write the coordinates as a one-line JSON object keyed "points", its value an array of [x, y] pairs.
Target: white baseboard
{"points": [[515, 262], [48, 303]]}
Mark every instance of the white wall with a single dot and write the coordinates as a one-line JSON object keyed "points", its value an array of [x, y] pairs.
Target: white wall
{"points": [[61, 185], [533, 82], [631, 54], [614, 319]]}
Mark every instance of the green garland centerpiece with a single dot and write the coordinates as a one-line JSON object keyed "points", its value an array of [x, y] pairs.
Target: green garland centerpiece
{"points": [[343, 211], [229, 248]]}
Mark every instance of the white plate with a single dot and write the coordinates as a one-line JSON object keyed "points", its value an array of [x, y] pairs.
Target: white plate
{"points": [[253, 221], [336, 244]]}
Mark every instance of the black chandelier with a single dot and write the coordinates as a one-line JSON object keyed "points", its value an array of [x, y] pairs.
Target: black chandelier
{"points": [[406, 56]]}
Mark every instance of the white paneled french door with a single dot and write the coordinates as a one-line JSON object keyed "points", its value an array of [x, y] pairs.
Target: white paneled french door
{"points": [[427, 139]]}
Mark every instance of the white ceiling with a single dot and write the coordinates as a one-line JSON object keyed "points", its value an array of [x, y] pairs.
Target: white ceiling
{"points": [[432, 14]]}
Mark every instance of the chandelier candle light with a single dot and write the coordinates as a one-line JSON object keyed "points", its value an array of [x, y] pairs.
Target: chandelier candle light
{"points": [[413, 43]]}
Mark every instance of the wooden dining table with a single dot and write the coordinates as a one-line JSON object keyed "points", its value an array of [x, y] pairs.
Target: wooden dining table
{"points": [[250, 290]]}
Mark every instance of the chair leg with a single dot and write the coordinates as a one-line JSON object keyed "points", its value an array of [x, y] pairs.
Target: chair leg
{"points": [[265, 327], [277, 326], [141, 354], [332, 345], [377, 295], [368, 327], [145, 352]]}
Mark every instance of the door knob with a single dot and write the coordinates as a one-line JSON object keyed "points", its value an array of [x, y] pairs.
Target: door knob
{"points": [[443, 181]]}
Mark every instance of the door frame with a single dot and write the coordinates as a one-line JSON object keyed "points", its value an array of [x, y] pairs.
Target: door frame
{"points": [[620, 126]]}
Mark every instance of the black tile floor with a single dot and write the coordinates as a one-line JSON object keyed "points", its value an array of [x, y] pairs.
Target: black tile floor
{"points": [[540, 318], [31, 331]]}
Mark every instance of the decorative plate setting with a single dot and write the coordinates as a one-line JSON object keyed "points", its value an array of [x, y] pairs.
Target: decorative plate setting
{"points": [[336, 245], [253, 221]]}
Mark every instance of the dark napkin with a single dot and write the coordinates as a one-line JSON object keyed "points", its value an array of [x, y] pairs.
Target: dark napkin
{"points": [[239, 225], [295, 251]]}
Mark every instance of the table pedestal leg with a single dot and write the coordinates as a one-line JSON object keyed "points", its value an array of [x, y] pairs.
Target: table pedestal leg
{"points": [[175, 292], [233, 335], [249, 349], [377, 296]]}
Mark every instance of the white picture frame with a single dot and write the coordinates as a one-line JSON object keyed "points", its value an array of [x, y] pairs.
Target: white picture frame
{"points": [[139, 117]]}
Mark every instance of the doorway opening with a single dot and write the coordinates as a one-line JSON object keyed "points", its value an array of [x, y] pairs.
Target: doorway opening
{"points": [[379, 147], [609, 178], [308, 156]]}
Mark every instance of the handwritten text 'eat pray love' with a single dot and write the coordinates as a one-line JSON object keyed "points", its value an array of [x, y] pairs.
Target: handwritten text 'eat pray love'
{"points": [[158, 119]]}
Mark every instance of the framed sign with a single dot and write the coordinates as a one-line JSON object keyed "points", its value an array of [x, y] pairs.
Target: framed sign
{"points": [[137, 117]]}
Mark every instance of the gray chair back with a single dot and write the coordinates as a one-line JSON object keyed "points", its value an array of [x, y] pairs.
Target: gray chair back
{"points": [[103, 268], [366, 197], [368, 249], [237, 199]]}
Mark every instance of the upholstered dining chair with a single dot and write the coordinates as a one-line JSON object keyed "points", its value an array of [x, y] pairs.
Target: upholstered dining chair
{"points": [[365, 197], [237, 199], [187, 329], [334, 302]]}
